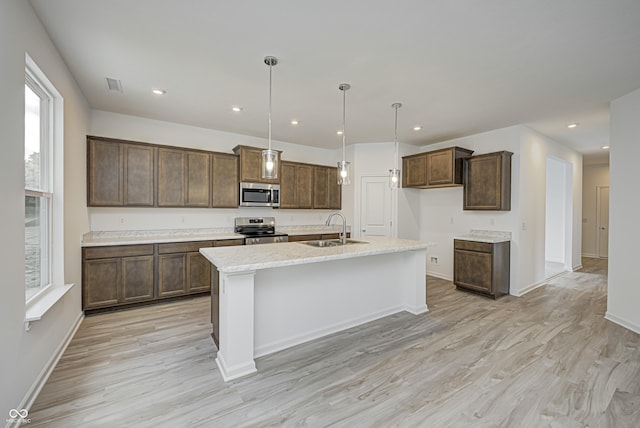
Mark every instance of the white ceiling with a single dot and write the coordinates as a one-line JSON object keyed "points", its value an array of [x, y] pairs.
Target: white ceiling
{"points": [[458, 67]]}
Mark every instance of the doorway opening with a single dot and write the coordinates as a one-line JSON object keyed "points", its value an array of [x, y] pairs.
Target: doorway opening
{"points": [[558, 213]]}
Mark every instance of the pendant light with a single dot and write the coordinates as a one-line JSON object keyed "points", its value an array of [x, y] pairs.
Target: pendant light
{"points": [[270, 157], [343, 165], [394, 173]]}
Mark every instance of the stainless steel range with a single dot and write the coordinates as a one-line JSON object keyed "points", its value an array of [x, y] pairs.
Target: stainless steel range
{"points": [[259, 230]]}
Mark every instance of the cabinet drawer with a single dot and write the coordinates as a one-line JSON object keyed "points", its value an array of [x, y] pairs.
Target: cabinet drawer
{"points": [[228, 242], [117, 251], [183, 247], [482, 247]]}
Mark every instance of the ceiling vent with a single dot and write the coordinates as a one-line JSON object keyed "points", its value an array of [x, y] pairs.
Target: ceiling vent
{"points": [[114, 84]]}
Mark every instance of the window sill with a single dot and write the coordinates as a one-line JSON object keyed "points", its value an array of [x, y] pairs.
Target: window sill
{"points": [[41, 305]]}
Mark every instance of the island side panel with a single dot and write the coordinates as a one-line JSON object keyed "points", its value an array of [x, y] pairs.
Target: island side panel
{"points": [[295, 304], [236, 312], [415, 285]]}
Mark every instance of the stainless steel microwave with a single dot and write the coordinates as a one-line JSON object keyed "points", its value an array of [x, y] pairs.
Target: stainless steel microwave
{"points": [[259, 195]]}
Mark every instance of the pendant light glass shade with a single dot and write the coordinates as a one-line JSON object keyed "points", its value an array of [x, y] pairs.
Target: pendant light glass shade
{"points": [[344, 173], [270, 157], [394, 173]]}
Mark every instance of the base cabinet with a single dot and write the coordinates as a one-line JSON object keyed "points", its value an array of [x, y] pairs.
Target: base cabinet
{"points": [[482, 267], [118, 275], [114, 276]]}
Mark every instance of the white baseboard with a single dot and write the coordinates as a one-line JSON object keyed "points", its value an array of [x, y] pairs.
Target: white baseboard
{"points": [[38, 384], [440, 275], [589, 255], [527, 289], [622, 322]]}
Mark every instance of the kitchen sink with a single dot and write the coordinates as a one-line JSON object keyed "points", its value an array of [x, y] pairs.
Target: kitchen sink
{"points": [[332, 242]]}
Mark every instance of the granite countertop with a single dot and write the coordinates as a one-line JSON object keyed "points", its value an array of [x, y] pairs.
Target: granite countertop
{"points": [[132, 237], [488, 236], [252, 257]]}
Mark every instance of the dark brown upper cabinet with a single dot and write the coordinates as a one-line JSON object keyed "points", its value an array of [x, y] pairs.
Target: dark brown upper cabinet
{"points": [[120, 173], [487, 182], [225, 179], [296, 185], [251, 165], [327, 193], [184, 178], [438, 168]]}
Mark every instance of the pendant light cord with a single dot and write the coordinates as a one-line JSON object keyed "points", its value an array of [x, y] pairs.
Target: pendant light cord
{"points": [[270, 67], [395, 138], [344, 131]]}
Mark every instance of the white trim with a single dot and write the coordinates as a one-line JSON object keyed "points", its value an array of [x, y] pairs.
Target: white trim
{"points": [[40, 304], [527, 289], [589, 255], [43, 376], [622, 322], [441, 276]]}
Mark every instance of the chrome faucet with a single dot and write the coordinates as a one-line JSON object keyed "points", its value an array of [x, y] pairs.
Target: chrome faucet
{"points": [[343, 235]]}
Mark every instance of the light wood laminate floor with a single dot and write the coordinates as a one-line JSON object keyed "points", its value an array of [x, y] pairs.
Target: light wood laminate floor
{"points": [[548, 359]]}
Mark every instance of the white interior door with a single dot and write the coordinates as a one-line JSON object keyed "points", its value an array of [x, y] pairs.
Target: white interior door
{"points": [[602, 202], [375, 207]]}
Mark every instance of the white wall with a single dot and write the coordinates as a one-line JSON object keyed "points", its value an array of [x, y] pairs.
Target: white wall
{"points": [[555, 211], [593, 176], [442, 216], [623, 305], [133, 128], [26, 356]]}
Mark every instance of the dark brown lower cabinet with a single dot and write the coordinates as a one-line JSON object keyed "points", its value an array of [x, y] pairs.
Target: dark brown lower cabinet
{"points": [[118, 275], [482, 267], [114, 276]]}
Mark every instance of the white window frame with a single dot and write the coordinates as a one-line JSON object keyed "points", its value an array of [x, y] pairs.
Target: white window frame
{"points": [[38, 304]]}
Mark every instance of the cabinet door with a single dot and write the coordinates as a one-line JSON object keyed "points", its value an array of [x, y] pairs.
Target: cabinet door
{"points": [[251, 165], [225, 181], [198, 273], [414, 170], [487, 182], [100, 283], [335, 190], [440, 168], [472, 270], [288, 186], [198, 179], [104, 173], [172, 274], [139, 180], [137, 279], [171, 177], [304, 186], [321, 187]]}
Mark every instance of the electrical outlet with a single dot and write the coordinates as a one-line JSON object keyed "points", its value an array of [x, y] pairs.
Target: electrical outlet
{"points": [[121, 220], [434, 259]]}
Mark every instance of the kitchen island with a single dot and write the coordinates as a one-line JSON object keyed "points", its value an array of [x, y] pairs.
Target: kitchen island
{"points": [[269, 297]]}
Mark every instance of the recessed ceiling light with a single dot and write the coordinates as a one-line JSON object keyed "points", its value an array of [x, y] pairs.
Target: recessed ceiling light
{"points": [[236, 109], [159, 91], [572, 125], [417, 128], [294, 122], [605, 147], [339, 132]]}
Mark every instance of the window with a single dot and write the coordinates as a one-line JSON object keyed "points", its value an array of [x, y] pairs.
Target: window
{"points": [[39, 181]]}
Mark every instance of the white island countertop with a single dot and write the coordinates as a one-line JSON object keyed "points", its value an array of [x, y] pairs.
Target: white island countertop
{"points": [[265, 256]]}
